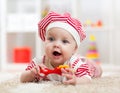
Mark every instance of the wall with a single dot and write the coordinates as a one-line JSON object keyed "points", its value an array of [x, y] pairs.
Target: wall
{"points": [[116, 33], [108, 37]]}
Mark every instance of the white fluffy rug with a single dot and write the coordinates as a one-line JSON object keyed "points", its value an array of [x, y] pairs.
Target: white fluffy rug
{"points": [[107, 84]]}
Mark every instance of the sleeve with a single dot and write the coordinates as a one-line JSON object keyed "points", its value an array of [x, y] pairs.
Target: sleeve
{"points": [[82, 70], [30, 66], [33, 63], [91, 67]]}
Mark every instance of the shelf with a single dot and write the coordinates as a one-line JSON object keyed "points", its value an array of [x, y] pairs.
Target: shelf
{"points": [[21, 31], [20, 40], [97, 29], [22, 22]]}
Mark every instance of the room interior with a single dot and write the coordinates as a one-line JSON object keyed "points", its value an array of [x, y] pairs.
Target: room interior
{"points": [[19, 33]]}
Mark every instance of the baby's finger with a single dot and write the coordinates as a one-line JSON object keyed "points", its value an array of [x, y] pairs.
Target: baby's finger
{"points": [[68, 76], [70, 81], [42, 66], [69, 70], [36, 70], [64, 70]]}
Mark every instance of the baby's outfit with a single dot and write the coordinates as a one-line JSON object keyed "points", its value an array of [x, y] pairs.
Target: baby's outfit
{"points": [[78, 63]]}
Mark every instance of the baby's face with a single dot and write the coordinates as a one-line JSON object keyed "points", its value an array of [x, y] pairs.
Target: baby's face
{"points": [[59, 46]]}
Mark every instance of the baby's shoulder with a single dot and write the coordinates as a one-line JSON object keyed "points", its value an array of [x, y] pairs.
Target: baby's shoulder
{"points": [[78, 62], [78, 58]]}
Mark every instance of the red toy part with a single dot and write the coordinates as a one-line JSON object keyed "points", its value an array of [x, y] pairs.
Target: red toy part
{"points": [[47, 71]]}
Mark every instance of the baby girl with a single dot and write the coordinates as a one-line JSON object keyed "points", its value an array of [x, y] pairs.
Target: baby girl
{"points": [[62, 36]]}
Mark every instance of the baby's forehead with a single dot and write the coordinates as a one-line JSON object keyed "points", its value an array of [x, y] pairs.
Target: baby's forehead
{"points": [[59, 31], [56, 30]]}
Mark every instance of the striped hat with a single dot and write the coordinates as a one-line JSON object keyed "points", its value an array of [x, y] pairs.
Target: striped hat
{"points": [[73, 26]]}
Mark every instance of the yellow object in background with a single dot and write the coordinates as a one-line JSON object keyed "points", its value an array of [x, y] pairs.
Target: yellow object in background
{"points": [[45, 11], [92, 55], [92, 38], [88, 22]]}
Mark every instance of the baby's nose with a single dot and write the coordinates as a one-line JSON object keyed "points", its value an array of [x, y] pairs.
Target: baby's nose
{"points": [[57, 44]]}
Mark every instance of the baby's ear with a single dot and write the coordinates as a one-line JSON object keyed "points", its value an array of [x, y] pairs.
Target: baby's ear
{"points": [[76, 49]]}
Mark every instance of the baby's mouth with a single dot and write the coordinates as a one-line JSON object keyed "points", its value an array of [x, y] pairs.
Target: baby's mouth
{"points": [[56, 53]]}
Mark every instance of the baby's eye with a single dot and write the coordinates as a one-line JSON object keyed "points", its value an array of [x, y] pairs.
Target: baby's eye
{"points": [[51, 39], [65, 41]]}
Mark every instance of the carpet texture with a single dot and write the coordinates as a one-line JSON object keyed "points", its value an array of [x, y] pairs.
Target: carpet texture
{"points": [[106, 84]]}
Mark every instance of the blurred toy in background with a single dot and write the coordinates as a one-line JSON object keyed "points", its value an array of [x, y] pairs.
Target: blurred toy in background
{"points": [[22, 54], [45, 11], [99, 23], [89, 23], [92, 52]]}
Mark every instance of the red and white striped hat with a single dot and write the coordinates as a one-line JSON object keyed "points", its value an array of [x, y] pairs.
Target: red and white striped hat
{"points": [[73, 26]]}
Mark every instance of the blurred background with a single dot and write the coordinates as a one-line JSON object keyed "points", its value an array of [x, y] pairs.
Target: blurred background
{"points": [[19, 40]]}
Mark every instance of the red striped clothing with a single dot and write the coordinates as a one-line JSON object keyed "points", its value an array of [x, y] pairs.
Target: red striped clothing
{"points": [[30, 66], [80, 67], [82, 70]]}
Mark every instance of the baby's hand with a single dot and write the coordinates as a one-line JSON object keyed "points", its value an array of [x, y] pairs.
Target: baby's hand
{"points": [[42, 66], [36, 69], [68, 73]]}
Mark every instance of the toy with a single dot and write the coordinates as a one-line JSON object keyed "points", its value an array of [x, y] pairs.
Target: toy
{"points": [[57, 70], [89, 23], [92, 52]]}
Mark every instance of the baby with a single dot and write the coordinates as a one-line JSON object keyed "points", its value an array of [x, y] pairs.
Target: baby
{"points": [[62, 36]]}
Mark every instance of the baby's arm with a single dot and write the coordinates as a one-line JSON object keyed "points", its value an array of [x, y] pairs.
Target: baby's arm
{"points": [[29, 75], [32, 72]]}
